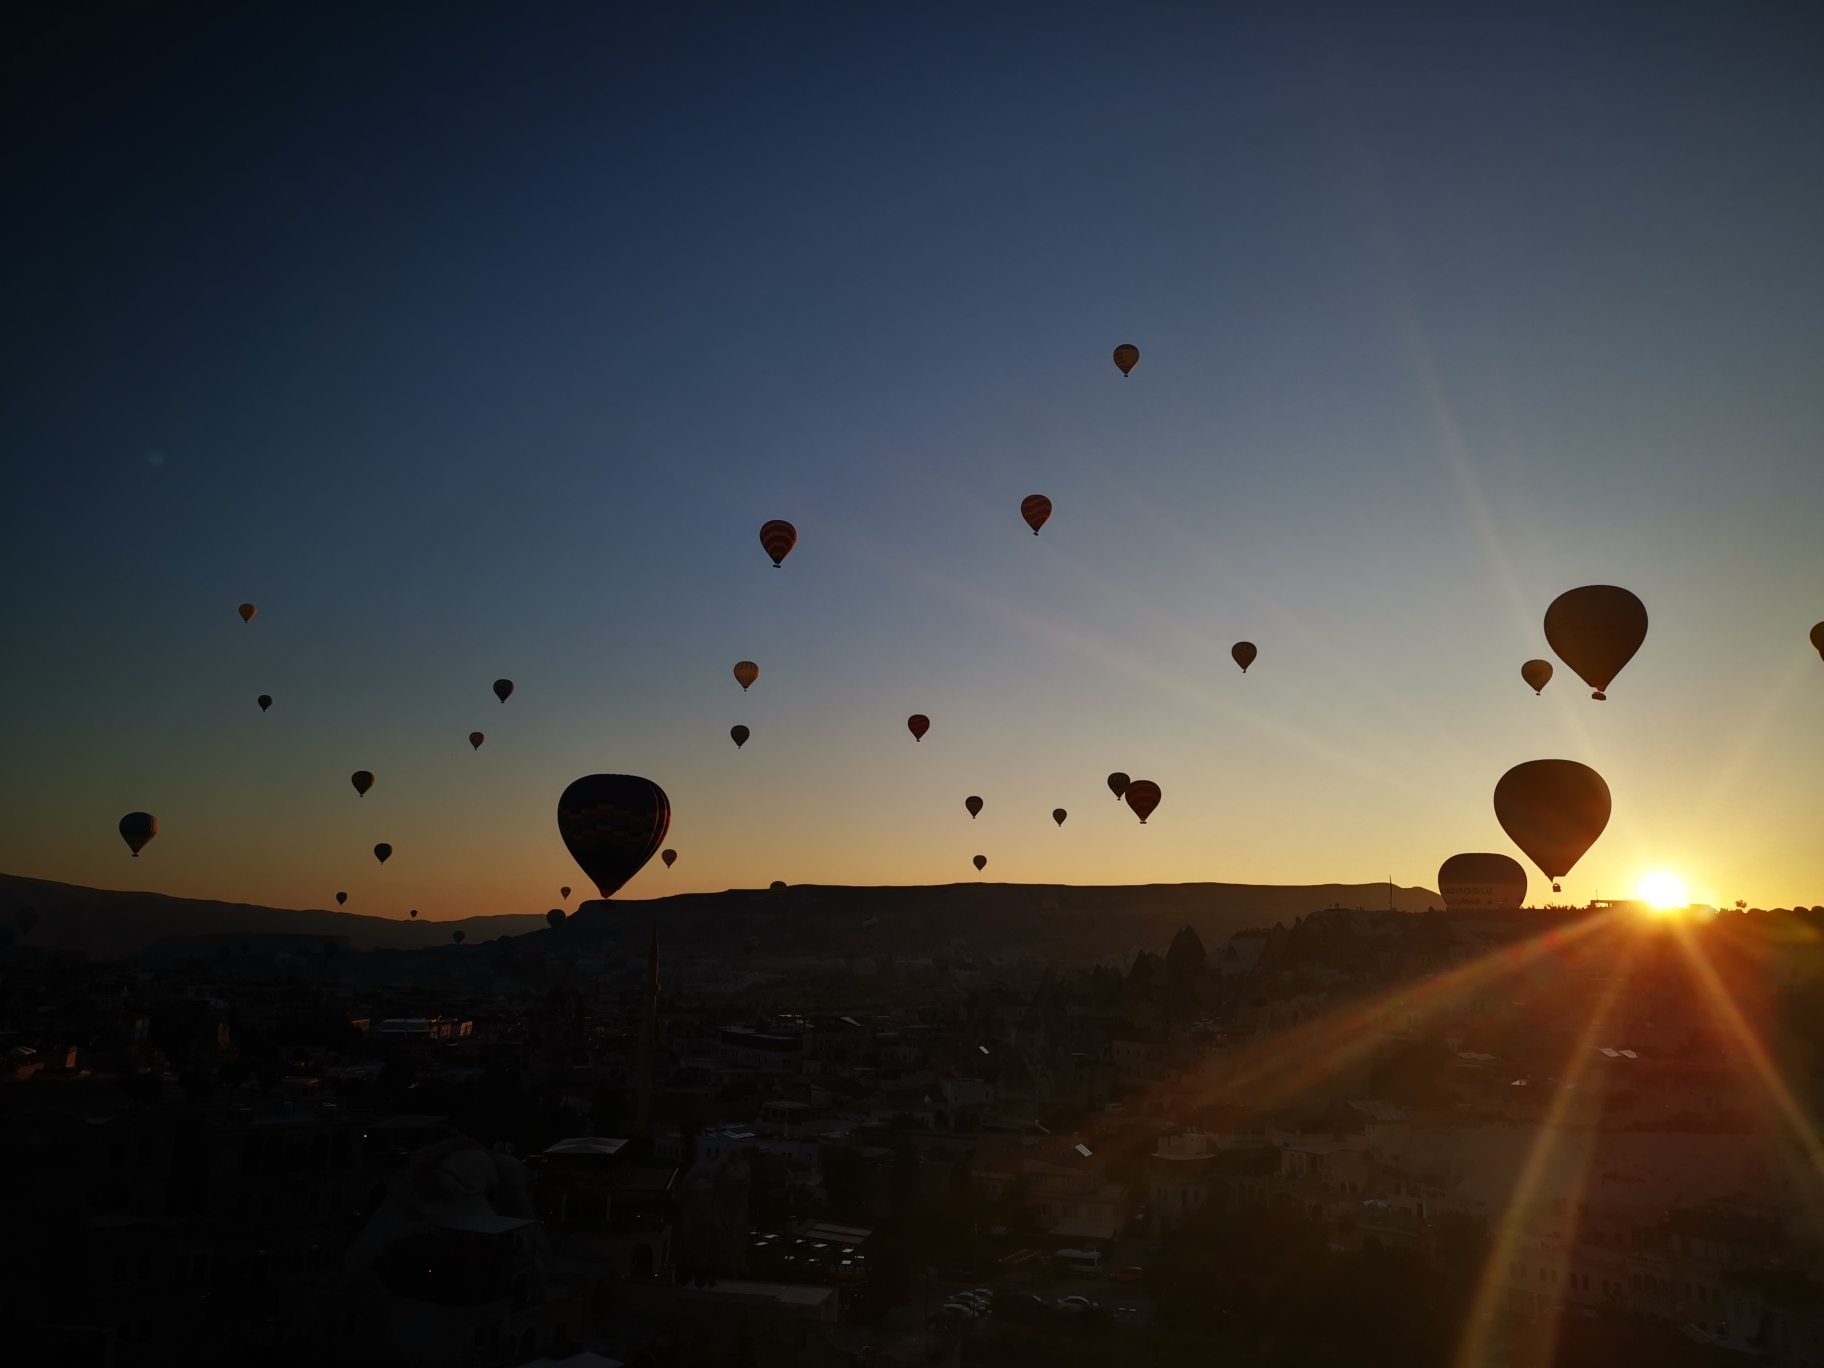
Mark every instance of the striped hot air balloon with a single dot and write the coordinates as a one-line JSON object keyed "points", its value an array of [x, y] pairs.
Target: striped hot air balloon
{"points": [[778, 537], [918, 724], [1035, 508], [746, 672], [1143, 796], [1127, 356]]}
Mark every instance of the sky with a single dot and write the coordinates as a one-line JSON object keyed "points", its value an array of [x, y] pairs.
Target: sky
{"points": [[472, 341]]}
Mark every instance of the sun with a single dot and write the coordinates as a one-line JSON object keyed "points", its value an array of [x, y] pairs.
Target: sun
{"points": [[1662, 891]]}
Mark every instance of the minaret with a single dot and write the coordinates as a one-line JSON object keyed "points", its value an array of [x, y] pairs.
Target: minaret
{"points": [[647, 1041]]}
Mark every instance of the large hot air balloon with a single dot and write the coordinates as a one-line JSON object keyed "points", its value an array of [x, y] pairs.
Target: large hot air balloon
{"points": [[1817, 638], [556, 917], [563, 892], [974, 805], [746, 672], [1482, 883], [1537, 673], [981, 862], [265, 701], [612, 824], [740, 734], [918, 724], [503, 689], [778, 537], [1127, 356], [341, 898], [381, 852], [363, 780], [1142, 796], [1035, 508], [1553, 810], [136, 828], [1243, 653], [1058, 815], [247, 612], [669, 856], [475, 740], [1596, 630], [1117, 784]]}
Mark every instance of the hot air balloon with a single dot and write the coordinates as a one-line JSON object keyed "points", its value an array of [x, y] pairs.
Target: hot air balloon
{"points": [[612, 824], [1482, 883], [981, 862], [1596, 630], [136, 828], [1553, 810], [363, 780], [475, 740], [918, 724], [503, 689], [1035, 508], [1817, 638], [746, 672], [413, 914], [247, 612], [341, 898], [778, 537], [1058, 815], [1127, 356], [1142, 796], [669, 856], [265, 701], [974, 805], [381, 852], [776, 888], [563, 892], [1537, 673], [556, 917], [456, 937], [740, 733], [1244, 653], [1117, 784]]}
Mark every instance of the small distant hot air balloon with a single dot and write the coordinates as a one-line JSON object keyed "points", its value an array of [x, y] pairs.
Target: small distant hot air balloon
{"points": [[778, 537], [1537, 673], [1142, 796], [556, 917], [918, 724], [247, 612], [1058, 815], [503, 689], [746, 672], [413, 914], [363, 780], [341, 898], [1553, 810], [981, 862], [1127, 356], [381, 853], [1243, 653], [974, 805], [1117, 784], [1035, 508], [563, 892], [456, 937], [776, 888], [669, 856], [265, 701], [475, 740], [1817, 638], [136, 828], [1596, 630], [740, 734]]}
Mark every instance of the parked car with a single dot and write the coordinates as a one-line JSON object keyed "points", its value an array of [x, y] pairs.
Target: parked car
{"points": [[1133, 1273], [956, 1310], [1077, 1306]]}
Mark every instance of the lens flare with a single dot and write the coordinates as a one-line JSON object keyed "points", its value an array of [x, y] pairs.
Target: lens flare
{"points": [[1663, 891]]}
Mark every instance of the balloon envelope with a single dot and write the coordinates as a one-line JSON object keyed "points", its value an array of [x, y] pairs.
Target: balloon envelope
{"points": [[1127, 356], [1243, 653], [341, 898], [381, 852], [981, 861], [1817, 638], [265, 701], [413, 914], [1142, 796], [503, 689], [1035, 508], [475, 739], [563, 892], [740, 734], [1537, 673], [247, 612], [363, 780], [136, 828], [778, 537], [1117, 784], [1482, 883], [612, 824], [1058, 815], [973, 803], [746, 672], [918, 724], [556, 917], [1596, 630], [669, 856], [456, 936], [1553, 810]]}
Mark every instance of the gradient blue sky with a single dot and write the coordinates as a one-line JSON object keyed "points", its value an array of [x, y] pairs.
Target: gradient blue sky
{"points": [[472, 341]]}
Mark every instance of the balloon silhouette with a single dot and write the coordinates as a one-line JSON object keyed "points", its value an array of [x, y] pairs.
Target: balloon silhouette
{"points": [[341, 898], [981, 862], [1596, 630], [1244, 653], [1537, 673], [612, 824], [265, 701], [746, 672], [413, 914], [475, 740], [669, 856], [1127, 356], [136, 828], [1117, 784], [1817, 638], [778, 537], [1482, 883], [456, 937], [563, 892], [1142, 796], [1058, 815], [247, 612], [974, 805], [381, 852], [503, 689], [740, 734], [1553, 810], [363, 780], [918, 724], [776, 888], [556, 917], [1035, 508]]}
